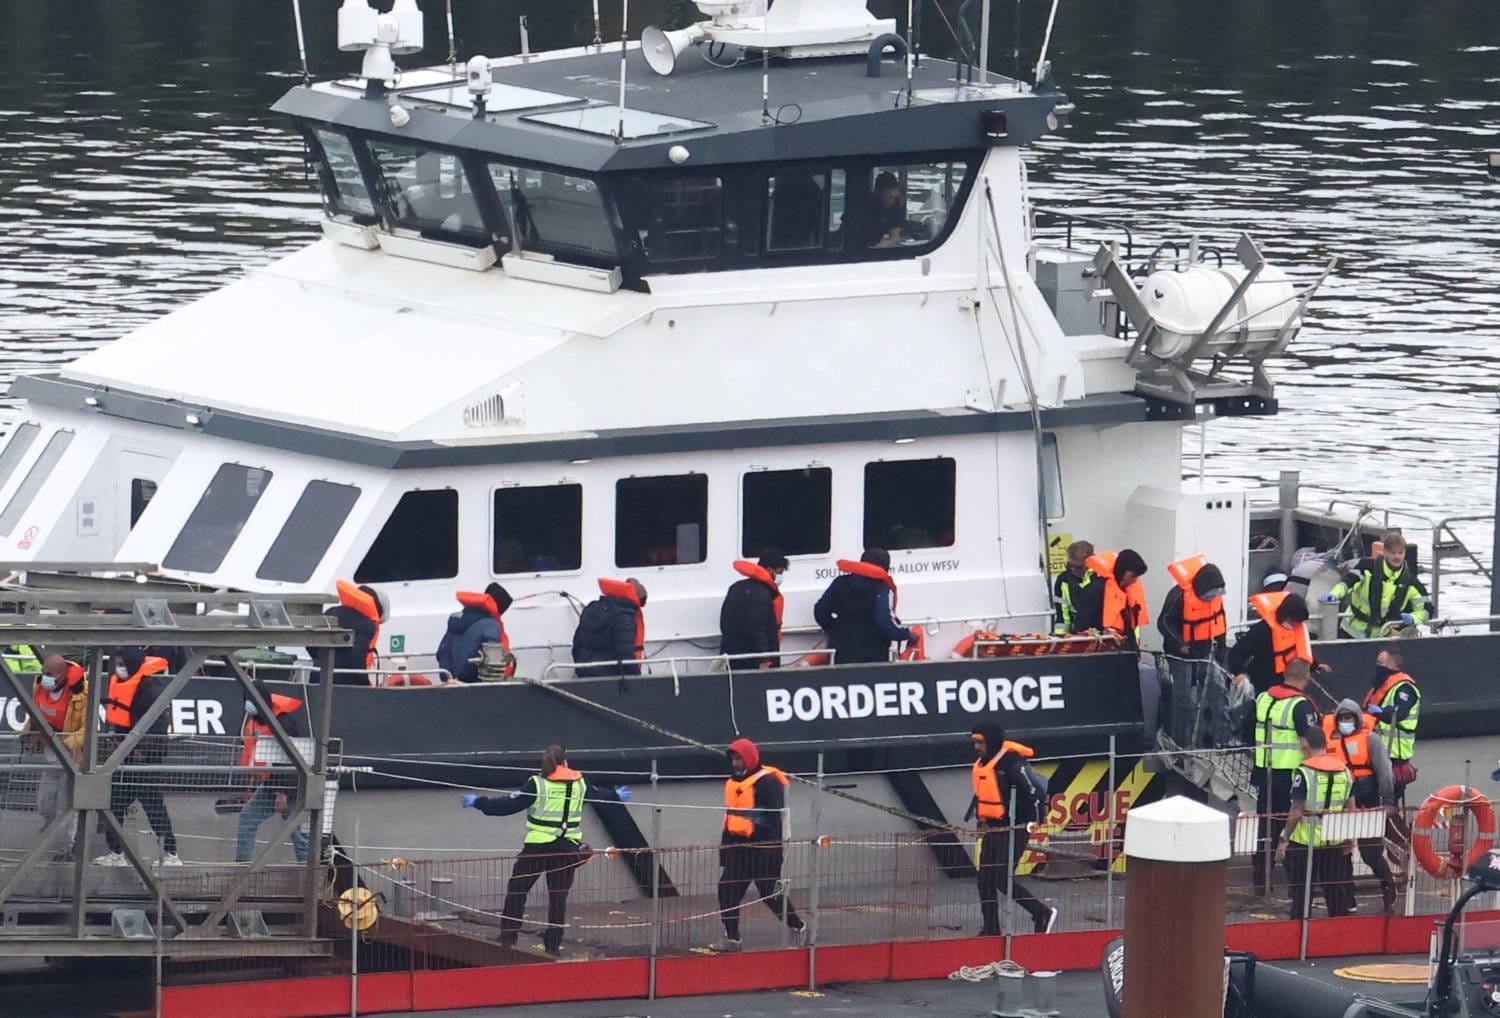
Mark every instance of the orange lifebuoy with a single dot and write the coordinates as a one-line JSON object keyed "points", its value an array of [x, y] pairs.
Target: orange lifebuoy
{"points": [[916, 649], [1447, 802], [397, 680]]}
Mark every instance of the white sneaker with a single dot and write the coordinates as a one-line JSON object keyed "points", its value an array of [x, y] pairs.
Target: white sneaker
{"points": [[110, 859], [171, 859]]}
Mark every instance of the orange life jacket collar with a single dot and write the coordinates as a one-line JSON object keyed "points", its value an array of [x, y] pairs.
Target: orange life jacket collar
{"points": [[474, 599], [1325, 762], [1285, 644], [1377, 696], [350, 596], [619, 588], [870, 571], [562, 772]]}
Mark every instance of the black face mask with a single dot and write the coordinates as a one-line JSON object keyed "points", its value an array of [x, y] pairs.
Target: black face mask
{"points": [[1382, 673]]}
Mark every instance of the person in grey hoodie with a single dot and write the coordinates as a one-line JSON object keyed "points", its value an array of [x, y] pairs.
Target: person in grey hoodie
{"points": [[1352, 737]]}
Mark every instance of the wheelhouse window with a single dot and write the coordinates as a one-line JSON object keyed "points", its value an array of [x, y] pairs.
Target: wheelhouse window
{"points": [[345, 192], [908, 203], [789, 510], [418, 542], [429, 192], [142, 491], [556, 214], [538, 529], [661, 521], [803, 211], [674, 218], [15, 449], [315, 521], [909, 503], [35, 478], [217, 519], [1052, 487]]}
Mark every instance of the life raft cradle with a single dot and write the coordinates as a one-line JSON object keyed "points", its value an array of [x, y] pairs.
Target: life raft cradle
{"points": [[986, 644]]}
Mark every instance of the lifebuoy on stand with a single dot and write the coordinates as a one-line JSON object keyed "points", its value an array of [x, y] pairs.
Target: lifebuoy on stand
{"points": [[1447, 808]]}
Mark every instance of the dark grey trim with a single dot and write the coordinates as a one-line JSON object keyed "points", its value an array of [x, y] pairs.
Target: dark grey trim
{"points": [[1096, 411]]}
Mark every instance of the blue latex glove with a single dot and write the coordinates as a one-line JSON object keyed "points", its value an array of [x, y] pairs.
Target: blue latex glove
{"points": [[623, 793], [1374, 710], [1328, 599], [1495, 774], [1408, 619], [469, 799]]}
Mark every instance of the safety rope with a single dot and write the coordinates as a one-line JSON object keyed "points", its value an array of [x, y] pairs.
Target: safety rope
{"points": [[650, 726], [979, 973]]}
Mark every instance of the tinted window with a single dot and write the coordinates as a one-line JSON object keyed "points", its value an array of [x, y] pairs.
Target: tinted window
{"points": [[308, 531], [35, 478], [908, 204], [538, 530], [429, 192], [344, 188], [788, 510], [804, 211], [909, 504], [142, 491], [674, 218], [554, 213], [1052, 489], [15, 449], [217, 519], [418, 542], [661, 521]]}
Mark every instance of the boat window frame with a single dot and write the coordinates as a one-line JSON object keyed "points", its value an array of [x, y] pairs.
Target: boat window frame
{"points": [[744, 548], [876, 540], [496, 223], [573, 256], [495, 493], [697, 477], [192, 520], [326, 181], [16, 448], [458, 538], [1054, 492], [286, 533], [35, 478]]}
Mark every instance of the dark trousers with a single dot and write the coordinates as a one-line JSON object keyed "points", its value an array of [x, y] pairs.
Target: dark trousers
{"points": [[1328, 869], [999, 854], [1273, 802], [145, 789], [558, 861], [744, 865]]}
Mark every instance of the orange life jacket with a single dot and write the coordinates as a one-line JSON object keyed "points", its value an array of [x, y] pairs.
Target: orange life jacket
{"points": [[350, 596], [761, 573], [739, 800], [1285, 644], [122, 691], [872, 571], [471, 599], [1201, 620], [1376, 697], [1353, 750], [1124, 609], [54, 705], [255, 729], [990, 804], [619, 588]]}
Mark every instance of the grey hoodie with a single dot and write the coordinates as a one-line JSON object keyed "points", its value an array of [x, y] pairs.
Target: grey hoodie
{"points": [[1380, 762]]}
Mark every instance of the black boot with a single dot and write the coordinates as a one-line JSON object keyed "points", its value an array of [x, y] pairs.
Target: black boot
{"points": [[990, 910]]}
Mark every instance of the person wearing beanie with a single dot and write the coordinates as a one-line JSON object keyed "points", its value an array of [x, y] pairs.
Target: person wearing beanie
{"points": [[858, 610], [1000, 784], [750, 849], [1192, 627], [1124, 597], [361, 610], [469, 630], [750, 618]]}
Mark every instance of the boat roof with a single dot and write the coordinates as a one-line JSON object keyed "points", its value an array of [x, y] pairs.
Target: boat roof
{"points": [[562, 109]]}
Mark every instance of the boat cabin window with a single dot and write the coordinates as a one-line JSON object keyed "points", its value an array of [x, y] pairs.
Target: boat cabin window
{"points": [[790, 510], [661, 521], [1052, 488], [15, 449], [673, 218], [909, 503], [217, 519], [555, 213], [418, 542], [803, 211], [908, 203], [345, 193], [35, 478], [142, 491], [428, 192], [304, 539], [538, 529]]}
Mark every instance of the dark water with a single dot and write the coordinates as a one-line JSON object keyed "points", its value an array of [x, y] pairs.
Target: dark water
{"points": [[139, 167]]}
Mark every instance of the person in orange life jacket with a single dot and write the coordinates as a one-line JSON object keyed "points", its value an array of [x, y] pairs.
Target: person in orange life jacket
{"points": [[750, 618], [612, 628], [750, 849], [1000, 784], [61, 694], [361, 610], [1353, 739], [1123, 596], [1283, 711], [1192, 628], [271, 791], [137, 683], [553, 801], [857, 611], [1327, 861], [479, 623], [1260, 655]]}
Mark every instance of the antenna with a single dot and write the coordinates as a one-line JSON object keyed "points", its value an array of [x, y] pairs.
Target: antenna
{"points": [[765, 70], [1015, 47], [1041, 61], [598, 37], [984, 42], [452, 44], [624, 41], [525, 40], [301, 41]]}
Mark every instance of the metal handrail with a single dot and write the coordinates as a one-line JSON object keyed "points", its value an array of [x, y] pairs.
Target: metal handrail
{"points": [[548, 673], [1446, 525]]}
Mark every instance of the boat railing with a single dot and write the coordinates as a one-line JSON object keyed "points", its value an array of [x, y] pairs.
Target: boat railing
{"points": [[1069, 220], [566, 670]]}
